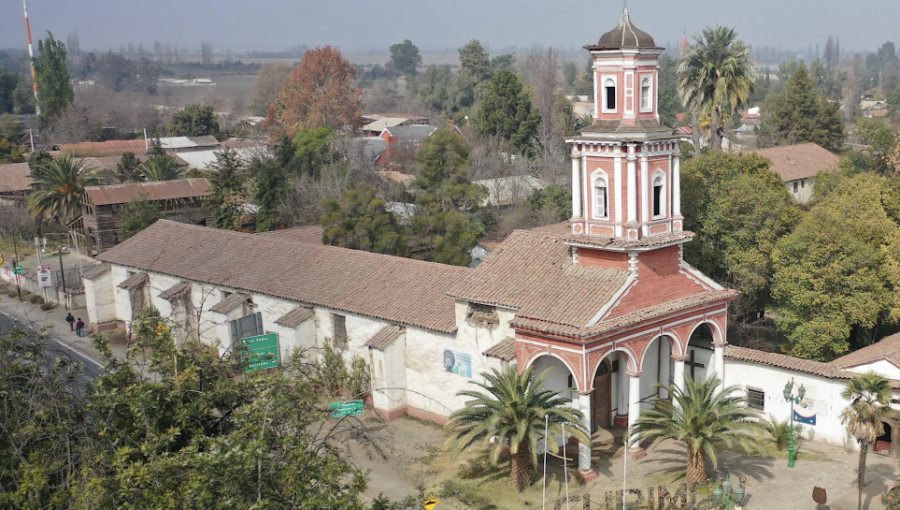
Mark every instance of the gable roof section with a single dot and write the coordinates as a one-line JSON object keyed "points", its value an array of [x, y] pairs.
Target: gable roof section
{"points": [[533, 273], [384, 338], [888, 348], [395, 289], [157, 190], [15, 177], [295, 317], [95, 272], [787, 362], [802, 161], [175, 290], [307, 234], [230, 303], [417, 133]]}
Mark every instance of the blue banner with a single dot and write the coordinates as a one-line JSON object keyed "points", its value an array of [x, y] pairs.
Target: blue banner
{"points": [[809, 419]]}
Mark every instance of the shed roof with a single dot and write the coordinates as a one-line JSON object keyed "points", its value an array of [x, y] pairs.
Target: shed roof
{"points": [[384, 338], [802, 161], [504, 350], [15, 177], [134, 281], [175, 290], [888, 348], [157, 190], [95, 272], [395, 289], [107, 148], [230, 303], [415, 134], [295, 317]]}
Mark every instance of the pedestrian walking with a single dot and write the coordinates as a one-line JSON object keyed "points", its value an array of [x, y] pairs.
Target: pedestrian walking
{"points": [[79, 327], [71, 321]]}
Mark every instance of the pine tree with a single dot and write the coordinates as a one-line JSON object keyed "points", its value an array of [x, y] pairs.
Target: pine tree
{"points": [[54, 89]]}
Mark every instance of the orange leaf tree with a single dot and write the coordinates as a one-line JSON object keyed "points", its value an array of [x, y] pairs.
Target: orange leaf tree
{"points": [[318, 93]]}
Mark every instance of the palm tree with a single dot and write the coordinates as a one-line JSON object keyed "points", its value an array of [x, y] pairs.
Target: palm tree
{"points": [[715, 73], [161, 167], [704, 419], [58, 186], [870, 400], [513, 410]]}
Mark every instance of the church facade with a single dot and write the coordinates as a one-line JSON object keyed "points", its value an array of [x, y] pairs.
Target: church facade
{"points": [[606, 300]]}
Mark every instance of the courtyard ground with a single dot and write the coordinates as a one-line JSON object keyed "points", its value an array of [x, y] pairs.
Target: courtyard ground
{"points": [[416, 457]]}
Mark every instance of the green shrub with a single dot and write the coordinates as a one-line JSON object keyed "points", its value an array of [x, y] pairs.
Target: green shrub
{"points": [[781, 432], [468, 495], [36, 300], [474, 468], [48, 306], [12, 294]]}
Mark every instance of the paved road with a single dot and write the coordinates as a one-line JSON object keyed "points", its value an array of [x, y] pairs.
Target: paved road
{"points": [[58, 343]]}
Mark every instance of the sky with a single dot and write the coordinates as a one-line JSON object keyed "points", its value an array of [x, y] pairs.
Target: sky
{"points": [[440, 25]]}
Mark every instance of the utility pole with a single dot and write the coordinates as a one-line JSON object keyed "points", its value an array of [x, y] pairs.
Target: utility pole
{"points": [[37, 104], [40, 249], [62, 275], [16, 263]]}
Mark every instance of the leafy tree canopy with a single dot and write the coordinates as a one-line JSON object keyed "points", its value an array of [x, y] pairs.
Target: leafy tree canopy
{"points": [[405, 57], [506, 111], [271, 188], [55, 89], [194, 120], [137, 216], [553, 198], [360, 221], [10, 152], [475, 61], [311, 148], [229, 192]]}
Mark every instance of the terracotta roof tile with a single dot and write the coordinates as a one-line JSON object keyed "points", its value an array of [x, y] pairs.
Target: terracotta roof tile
{"points": [[888, 348], [96, 272], [533, 273], [157, 190], [175, 290], [613, 242], [295, 317], [395, 289], [786, 362], [307, 234], [802, 161], [134, 281], [230, 303], [15, 177], [384, 338], [504, 350]]}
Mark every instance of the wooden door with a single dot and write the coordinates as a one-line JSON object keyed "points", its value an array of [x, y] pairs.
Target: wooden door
{"points": [[601, 399]]}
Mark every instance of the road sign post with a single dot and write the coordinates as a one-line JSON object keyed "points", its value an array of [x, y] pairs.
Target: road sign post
{"points": [[261, 352], [348, 408]]}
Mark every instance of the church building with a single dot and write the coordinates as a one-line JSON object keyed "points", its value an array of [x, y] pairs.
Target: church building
{"points": [[606, 300]]}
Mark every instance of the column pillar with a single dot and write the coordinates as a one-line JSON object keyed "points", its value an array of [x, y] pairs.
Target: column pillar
{"points": [[576, 185], [664, 368], [645, 190], [676, 186], [621, 418], [634, 410], [678, 375], [632, 185], [584, 450], [720, 363]]}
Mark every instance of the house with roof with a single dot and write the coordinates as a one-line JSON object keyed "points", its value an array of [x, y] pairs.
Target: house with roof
{"points": [[101, 207], [15, 181], [798, 165], [373, 124], [604, 302]]}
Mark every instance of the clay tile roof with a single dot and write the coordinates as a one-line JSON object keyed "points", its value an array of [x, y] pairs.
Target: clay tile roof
{"points": [[295, 317], [613, 242], [394, 289], [533, 273], [625, 35], [230, 303], [157, 190], [888, 348], [646, 126], [384, 338], [107, 148], [96, 272], [175, 290], [793, 162], [15, 177], [786, 362], [307, 234], [504, 350], [134, 281]]}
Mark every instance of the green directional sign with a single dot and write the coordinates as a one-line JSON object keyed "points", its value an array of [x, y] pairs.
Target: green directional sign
{"points": [[262, 352], [348, 408], [20, 269]]}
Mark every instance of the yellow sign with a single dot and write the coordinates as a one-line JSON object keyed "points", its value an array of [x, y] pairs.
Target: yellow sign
{"points": [[430, 503]]}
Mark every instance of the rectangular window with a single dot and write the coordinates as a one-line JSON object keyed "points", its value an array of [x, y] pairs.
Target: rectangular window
{"points": [[756, 398], [795, 187], [610, 98], [803, 183], [657, 200], [339, 330]]}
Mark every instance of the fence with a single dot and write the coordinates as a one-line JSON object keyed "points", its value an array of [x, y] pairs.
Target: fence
{"points": [[72, 298]]}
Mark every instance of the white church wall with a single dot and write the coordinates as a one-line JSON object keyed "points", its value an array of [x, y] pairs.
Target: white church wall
{"points": [[655, 370], [123, 303], [484, 336], [704, 357], [100, 299], [771, 380]]}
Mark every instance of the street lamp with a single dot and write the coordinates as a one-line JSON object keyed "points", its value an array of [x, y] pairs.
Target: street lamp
{"points": [[727, 498], [789, 396]]}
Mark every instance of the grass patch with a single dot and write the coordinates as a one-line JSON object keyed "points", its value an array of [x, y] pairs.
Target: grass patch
{"points": [[427, 423]]}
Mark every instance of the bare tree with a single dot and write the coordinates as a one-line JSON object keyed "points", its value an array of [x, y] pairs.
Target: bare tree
{"points": [[268, 85], [206, 55]]}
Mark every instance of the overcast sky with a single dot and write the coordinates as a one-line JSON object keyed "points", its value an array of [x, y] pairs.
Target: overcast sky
{"points": [[437, 25]]}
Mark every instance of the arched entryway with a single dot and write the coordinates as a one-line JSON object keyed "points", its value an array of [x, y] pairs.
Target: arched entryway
{"points": [[884, 443], [601, 400], [560, 377], [699, 357]]}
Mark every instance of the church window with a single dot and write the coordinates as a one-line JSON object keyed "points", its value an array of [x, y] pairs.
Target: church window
{"points": [[601, 199], [645, 95], [658, 196], [339, 330], [756, 398], [609, 89]]}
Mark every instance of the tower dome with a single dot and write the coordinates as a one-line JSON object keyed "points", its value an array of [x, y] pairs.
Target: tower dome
{"points": [[624, 35]]}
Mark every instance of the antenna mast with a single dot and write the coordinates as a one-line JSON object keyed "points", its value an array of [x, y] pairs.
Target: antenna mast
{"points": [[37, 106]]}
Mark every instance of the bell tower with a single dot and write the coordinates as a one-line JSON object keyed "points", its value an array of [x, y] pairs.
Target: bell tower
{"points": [[626, 182]]}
